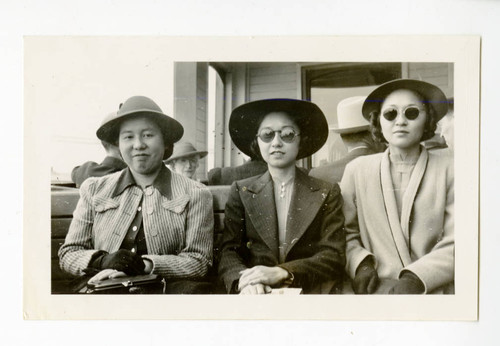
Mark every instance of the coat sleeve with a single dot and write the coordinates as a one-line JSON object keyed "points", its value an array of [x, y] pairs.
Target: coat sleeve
{"points": [[195, 258], [437, 268], [78, 248], [329, 261], [355, 252], [231, 262]]}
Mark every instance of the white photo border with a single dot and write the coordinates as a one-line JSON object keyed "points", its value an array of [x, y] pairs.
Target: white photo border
{"points": [[462, 51]]}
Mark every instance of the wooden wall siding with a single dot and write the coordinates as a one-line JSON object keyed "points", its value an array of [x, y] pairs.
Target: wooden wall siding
{"points": [[201, 115], [272, 80], [440, 74]]}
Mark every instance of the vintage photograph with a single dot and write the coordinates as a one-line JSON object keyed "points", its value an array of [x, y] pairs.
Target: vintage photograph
{"points": [[322, 178]]}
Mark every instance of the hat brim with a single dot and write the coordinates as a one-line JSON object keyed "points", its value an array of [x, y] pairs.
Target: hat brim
{"points": [[433, 96], [191, 153], [171, 129], [245, 121], [351, 129]]}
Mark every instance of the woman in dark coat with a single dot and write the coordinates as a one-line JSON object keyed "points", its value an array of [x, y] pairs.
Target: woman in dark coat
{"points": [[282, 228]]}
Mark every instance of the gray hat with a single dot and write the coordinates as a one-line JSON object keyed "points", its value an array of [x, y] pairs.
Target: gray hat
{"points": [[171, 129], [185, 149]]}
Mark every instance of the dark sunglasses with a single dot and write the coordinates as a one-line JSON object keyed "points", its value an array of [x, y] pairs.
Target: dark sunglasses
{"points": [[287, 135], [411, 113]]}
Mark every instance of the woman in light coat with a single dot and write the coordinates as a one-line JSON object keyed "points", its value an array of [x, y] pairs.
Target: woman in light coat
{"points": [[399, 204]]}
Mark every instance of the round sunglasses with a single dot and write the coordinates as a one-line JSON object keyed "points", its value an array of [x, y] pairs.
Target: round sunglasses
{"points": [[286, 134], [410, 113]]}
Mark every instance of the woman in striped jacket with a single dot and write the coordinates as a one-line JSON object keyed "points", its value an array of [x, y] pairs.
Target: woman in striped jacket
{"points": [[144, 219]]}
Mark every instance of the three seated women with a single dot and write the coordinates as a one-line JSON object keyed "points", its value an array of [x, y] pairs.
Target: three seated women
{"points": [[391, 220]]}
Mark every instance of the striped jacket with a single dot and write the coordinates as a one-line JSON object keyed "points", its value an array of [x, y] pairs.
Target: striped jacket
{"points": [[178, 230]]}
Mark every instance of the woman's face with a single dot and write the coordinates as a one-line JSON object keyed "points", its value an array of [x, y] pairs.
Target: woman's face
{"points": [[278, 153], [401, 126], [141, 145]]}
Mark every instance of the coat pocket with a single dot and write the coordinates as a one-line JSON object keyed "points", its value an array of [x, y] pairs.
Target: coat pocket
{"points": [[105, 220], [101, 205], [177, 205], [173, 221]]}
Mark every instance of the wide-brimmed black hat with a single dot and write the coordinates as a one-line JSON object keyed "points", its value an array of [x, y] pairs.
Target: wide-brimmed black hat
{"points": [[432, 95], [171, 129], [245, 121]]}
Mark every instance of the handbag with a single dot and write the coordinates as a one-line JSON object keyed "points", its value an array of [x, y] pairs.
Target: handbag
{"points": [[139, 284]]}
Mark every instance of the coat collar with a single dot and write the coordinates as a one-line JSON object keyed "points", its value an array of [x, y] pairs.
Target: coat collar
{"points": [[258, 198], [400, 227], [161, 182]]}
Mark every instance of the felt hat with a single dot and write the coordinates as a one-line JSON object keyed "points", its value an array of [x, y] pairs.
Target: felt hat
{"points": [[245, 121], [349, 116], [432, 95], [185, 149], [171, 129]]}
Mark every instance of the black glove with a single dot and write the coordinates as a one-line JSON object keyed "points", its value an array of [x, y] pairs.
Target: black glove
{"points": [[409, 283], [123, 260], [366, 279]]}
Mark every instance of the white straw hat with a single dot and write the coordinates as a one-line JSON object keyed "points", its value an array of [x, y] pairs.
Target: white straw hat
{"points": [[350, 115]]}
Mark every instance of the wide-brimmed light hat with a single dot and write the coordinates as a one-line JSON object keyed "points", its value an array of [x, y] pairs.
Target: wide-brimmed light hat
{"points": [[432, 95], [350, 117], [185, 149], [171, 129], [245, 121]]}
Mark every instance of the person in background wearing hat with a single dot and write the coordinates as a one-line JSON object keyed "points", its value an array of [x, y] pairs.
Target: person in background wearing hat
{"points": [[354, 131], [144, 219], [112, 162], [398, 205], [184, 159], [282, 228]]}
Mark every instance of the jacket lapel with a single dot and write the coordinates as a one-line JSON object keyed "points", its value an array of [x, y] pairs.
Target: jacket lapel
{"points": [[411, 191], [307, 199], [392, 210], [258, 199]]}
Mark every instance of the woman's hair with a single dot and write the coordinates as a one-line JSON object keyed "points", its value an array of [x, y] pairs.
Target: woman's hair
{"points": [[429, 128], [255, 150]]}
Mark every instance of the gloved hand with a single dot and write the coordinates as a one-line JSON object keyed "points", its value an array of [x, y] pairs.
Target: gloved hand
{"points": [[408, 283], [123, 260], [366, 279]]}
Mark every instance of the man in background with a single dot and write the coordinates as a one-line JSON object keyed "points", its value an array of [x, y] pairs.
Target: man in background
{"points": [[354, 131], [112, 162], [185, 159]]}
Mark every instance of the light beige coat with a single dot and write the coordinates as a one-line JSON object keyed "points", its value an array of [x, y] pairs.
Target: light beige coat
{"points": [[422, 240]]}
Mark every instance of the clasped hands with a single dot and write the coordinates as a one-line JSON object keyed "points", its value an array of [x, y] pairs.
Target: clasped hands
{"points": [[121, 263], [260, 279], [366, 281]]}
